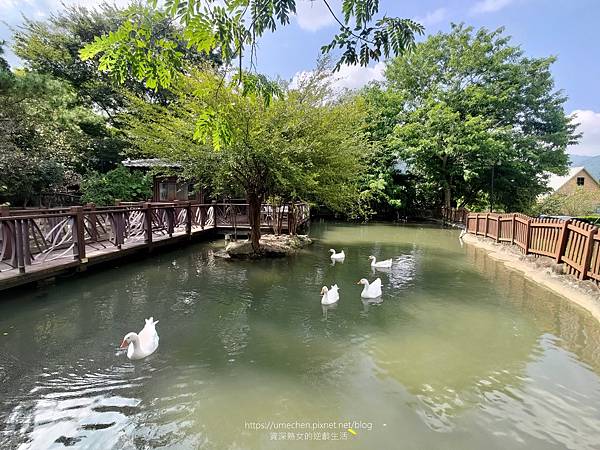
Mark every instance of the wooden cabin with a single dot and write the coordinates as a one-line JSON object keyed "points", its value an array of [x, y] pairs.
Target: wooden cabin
{"points": [[166, 188]]}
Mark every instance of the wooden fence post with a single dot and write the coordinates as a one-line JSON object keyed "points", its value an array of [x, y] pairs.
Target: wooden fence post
{"points": [[476, 224], [527, 236], [513, 229], [78, 233], [148, 222], [587, 255], [19, 246], [188, 216], [170, 216], [7, 235], [498, 227], [562, 241]]}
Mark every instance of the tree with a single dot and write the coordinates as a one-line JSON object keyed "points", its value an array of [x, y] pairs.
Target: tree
{"points": [[52, 46], [136, 52], [476, 116], [581, 202], [386, 188], [231, 26], [43, 139], [296, 147], [4, 66]]}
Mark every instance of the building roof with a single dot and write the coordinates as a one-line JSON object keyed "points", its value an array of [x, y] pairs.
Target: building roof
{"points": [[555, 182], [149, 163]]}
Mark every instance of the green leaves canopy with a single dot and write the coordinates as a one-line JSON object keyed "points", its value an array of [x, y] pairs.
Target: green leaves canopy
{"points": [[229, 27], [44, 140], [296, 147], [474, 110]]}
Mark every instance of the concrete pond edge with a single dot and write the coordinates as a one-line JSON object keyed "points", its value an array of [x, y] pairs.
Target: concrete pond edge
{"points": [[543, 271]]}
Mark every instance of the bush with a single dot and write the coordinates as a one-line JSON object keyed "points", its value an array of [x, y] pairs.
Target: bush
{"points": [[578, 203], [119, 183]]}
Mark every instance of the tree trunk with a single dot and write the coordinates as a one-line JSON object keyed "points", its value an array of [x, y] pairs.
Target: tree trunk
{"points": [[447, 197], [254, 205]]}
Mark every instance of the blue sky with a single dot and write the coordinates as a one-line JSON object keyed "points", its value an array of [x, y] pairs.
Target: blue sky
{"points": [[567, 29]]}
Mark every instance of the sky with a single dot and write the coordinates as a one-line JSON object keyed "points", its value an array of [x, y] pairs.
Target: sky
{"points": [[567, 29]]}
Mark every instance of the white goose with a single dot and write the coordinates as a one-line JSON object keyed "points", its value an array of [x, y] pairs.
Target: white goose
{"points": [[330, 296], [372, 290], [380, 264], [337, 256], [142, 344]]}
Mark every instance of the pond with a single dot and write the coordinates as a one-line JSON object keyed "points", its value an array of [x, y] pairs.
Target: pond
{"points": [[460, 353]]}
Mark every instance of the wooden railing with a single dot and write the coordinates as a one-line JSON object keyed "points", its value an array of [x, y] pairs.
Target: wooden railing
{"points": [[572, 242], [32, 237]]}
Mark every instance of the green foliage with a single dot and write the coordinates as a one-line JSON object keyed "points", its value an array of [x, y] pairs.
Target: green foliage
{"points": [[43, 145], [4, 67], [24, 176], [581, 202], [135, 51], [127, 50], [471, 110], [298, 146], [52, 46], [119, 183]]}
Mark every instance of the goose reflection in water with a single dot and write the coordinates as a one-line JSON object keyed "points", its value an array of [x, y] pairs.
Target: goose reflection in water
{"points": [[368, 303], [402, 273], [327, 308]]}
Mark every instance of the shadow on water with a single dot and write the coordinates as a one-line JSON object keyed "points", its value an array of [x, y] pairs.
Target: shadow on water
{"points": [[459, 352]]}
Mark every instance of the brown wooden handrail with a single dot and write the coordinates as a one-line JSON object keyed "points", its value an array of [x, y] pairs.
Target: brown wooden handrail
{"points": [[574, 243], [34, 237]]}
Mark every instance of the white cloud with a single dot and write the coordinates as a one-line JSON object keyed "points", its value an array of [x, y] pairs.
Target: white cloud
{"points": [[355, 77], [348, 77], [589, 144], [433, 17], [313, 15], [488, 6]]}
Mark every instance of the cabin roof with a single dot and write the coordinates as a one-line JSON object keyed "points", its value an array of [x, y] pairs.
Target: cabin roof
{"points": [[148, 163]]}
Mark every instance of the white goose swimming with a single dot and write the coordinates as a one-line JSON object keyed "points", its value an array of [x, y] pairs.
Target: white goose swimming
{"points": [[372, 290], [337, 256], [381, 264], [330, 296], [142, 344]]}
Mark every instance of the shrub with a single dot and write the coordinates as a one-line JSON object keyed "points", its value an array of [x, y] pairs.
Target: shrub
{"points": [[119, 183]]}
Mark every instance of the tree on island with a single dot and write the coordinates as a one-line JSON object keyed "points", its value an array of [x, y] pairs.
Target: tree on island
{"points": [[298, 146], [475, 120], [222, 113]]}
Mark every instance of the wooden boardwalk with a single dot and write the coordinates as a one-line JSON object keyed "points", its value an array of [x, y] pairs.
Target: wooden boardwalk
{"points": [[44, 243]]}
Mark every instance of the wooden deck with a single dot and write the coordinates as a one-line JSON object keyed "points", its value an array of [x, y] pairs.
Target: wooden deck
{"points": [[40, 244]]}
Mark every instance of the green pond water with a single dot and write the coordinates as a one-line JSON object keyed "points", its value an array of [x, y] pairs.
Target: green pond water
{"points": [[461, 353]]}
